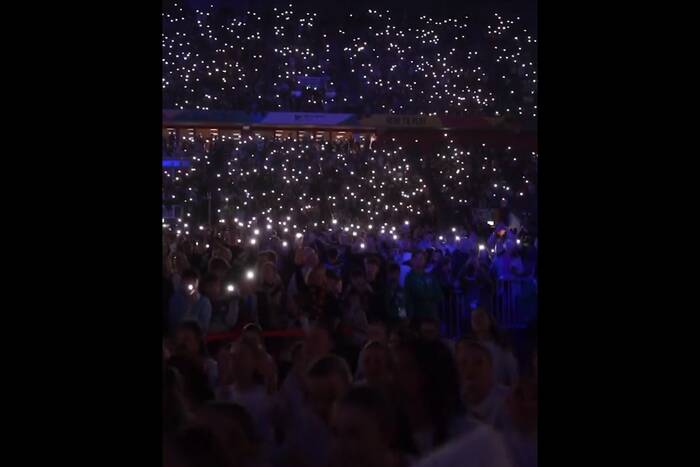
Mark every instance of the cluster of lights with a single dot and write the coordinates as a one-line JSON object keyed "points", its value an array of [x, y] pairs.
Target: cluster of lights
{"points": [[287, 59], [266, 187]]}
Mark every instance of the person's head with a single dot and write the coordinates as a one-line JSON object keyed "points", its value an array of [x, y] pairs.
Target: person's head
{"points": [[327, 379], [426, 376], [376, 360], [252, 333], [190, 281], [430, 328], [482, 322], [244, 357], [394, 273], [475, 366], [418, 261], [269, 273], [364, 429], [267, 256], [211, 286], [318, 342], [377, 331], [371, 267], [189, 340]]}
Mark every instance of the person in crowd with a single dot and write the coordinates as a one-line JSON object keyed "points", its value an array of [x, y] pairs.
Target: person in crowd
{"points": [[333, 261], [423, 294], [520, 425], [376, 364], [508, 264], [404, 262], [482, 396], [308, 444], [497, 239], [188, 304], [305, 260], [486, 332], [270, 290], [394, 296], [377, 285], [317, 343], [427, 388], [176, 408], [354, 319], [334, 284], [266, 368], [220, 300], [481, 447], [366, 431], [195, 371], [243, 308], [242, 387], [190, 345], [235, 429]]}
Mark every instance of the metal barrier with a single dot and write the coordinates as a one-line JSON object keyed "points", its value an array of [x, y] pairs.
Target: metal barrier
{"points": [[513, 304]]}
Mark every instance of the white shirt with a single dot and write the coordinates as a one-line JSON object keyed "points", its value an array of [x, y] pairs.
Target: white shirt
{"points": [[481, 447]]}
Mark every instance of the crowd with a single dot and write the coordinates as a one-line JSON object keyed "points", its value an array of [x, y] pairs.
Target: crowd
{"points": [[360, 373], [363, 187], [366, 379], [360, 62], [306, 281]]}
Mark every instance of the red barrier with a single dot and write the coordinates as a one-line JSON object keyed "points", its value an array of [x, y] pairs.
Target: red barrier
{"points": [[233, 335]]}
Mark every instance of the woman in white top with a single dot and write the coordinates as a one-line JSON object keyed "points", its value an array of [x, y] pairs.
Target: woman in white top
{"points": [[483, 397]]}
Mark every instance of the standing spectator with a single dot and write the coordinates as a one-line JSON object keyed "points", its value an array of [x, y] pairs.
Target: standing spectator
{"points": [[428, 392], [423, 294], [366, 431], [187, 304], [270, 292], [244, 389]]}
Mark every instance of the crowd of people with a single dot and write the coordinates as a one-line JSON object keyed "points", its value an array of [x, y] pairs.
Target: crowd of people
{"points": [[366, 379], [361, 373], [306, 280], [283, 59], [362, 186]]}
